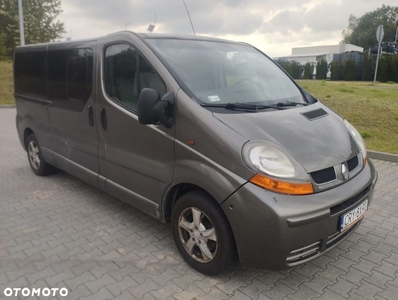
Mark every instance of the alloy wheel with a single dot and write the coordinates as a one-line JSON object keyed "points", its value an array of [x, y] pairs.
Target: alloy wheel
{"points": [[34, 157], [197, 235]]}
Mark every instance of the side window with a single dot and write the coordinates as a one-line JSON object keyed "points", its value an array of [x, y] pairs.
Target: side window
{"points": [[121, 74], [125, 79], [149, 78], [30, 73], [78, 85], [69, 77]]}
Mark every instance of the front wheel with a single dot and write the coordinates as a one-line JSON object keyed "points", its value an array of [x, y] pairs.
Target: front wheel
{"points": [[202, 233]]}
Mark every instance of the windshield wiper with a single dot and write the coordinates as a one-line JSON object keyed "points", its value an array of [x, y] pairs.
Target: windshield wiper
{"points": [[238, 105], [289, 103]]}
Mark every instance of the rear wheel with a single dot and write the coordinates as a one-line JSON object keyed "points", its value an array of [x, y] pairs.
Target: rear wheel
{"points": [[202, 233], [35, 157]]}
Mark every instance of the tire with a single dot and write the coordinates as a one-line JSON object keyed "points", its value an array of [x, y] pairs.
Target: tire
{"points": [[202, 233], [37, 163]]}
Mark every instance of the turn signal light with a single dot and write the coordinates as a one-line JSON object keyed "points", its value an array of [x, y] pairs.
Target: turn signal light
{"points": [[282, 186]]}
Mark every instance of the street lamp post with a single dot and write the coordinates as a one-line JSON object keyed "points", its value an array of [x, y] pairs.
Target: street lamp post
{"points": [[21, 29]]}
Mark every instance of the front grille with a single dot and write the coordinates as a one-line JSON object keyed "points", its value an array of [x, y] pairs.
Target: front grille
{"points": [[338, 236], [342, 206], [304, 253], [324, 175], [353, 163], [315, 114], [329, 174]]}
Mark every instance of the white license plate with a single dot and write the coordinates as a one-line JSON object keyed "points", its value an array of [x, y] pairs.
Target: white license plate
{"points": [[353, 216]]}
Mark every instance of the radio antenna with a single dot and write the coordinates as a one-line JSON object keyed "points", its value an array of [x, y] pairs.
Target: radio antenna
{"points": [[193, 29]]}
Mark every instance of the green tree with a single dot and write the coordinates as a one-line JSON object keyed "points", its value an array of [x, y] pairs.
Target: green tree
{"points": [[388, 68], [335, 70], [350, 70], [362, 31], [368, 68], [40, 22], [291, 67], [295, 69], [308, 70], [321, 69]]}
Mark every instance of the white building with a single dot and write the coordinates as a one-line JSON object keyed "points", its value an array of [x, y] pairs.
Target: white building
{"points": [[317, 53]]}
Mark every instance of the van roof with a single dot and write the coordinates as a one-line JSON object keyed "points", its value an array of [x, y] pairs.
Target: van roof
{"points": [[183, 37], [142, 36]]}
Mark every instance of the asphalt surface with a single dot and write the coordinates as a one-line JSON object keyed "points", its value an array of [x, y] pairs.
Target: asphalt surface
{"points": [[59, 232]]}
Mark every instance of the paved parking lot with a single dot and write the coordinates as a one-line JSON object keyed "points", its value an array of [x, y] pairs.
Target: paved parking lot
{"points": [[58, 232]]}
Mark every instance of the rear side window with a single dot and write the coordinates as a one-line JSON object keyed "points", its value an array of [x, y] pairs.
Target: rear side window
{"points": [[61, 76], [127, 73], [78, 84], [69, 77], [30, 73]]}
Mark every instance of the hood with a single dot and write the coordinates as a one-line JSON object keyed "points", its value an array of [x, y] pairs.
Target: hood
{"points": [[313, 135]]}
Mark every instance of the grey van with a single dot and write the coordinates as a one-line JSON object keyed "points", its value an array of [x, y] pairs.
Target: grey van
{"points": [[207, 134]]}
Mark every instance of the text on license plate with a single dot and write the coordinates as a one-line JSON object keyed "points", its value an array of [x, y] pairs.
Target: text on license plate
{"points": [[353, 216]]}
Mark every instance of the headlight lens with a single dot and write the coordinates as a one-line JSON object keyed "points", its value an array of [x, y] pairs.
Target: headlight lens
{"points": [[271, 161], [276, 170], [357, 137]]}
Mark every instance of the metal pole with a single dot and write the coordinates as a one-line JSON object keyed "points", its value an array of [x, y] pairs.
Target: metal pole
{"points": [[396, 36], [21, 29], [189, 17], [377, 62]]}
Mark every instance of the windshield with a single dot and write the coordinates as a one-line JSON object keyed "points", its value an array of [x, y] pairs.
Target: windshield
{"points": [[218, 72]]}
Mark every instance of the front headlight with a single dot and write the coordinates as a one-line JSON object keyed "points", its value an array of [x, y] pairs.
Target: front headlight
{"points": [[276, 170], [358, 138]]}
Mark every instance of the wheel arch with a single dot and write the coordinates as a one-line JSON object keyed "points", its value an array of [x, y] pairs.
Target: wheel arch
{"points": [[28, 131], [174, 193]]}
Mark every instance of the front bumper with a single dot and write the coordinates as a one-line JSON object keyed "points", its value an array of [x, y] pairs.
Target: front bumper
{"points": [[277, 232]]}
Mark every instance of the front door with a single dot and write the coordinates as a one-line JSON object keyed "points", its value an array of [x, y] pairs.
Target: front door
{"points": [[136, 160]]}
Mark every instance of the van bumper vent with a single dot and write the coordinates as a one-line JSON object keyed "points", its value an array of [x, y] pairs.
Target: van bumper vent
{"points": [[296, 256]]}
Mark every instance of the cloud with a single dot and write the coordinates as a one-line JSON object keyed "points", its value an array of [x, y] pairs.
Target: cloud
{"points": [[273, 26]]}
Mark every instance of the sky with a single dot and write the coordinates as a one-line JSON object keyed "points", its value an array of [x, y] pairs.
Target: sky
{"points": [[275, 27]]}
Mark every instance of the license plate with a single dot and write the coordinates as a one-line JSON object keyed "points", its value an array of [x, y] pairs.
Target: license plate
{"points": [[353, 216]]}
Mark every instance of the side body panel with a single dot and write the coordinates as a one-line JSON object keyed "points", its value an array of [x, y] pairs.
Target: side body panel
{"points": [[214, 160], [36, 117]]}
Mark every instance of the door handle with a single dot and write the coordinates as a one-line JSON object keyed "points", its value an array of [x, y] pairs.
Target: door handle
{"points": [[90, 115], [104, 122]]}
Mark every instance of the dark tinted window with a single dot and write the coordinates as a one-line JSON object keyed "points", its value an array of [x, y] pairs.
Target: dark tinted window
{"points": [[78, 83], [30, 73], [120, 74], [122, 82], [70, 76], [56, 75]]}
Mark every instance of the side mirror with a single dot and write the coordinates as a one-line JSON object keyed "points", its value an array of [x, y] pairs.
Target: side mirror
{"points": [[151, 109]]}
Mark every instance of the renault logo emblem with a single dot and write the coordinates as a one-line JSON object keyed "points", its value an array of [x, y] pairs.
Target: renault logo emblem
{"points": [[344, 171]]}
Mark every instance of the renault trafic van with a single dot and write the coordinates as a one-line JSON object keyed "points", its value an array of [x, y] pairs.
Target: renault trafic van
{"points": [[207, 134]]}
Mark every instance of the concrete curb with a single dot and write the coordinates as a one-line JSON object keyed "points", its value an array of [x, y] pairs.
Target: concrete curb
{"points": [[7, 106], [383, 156]]}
